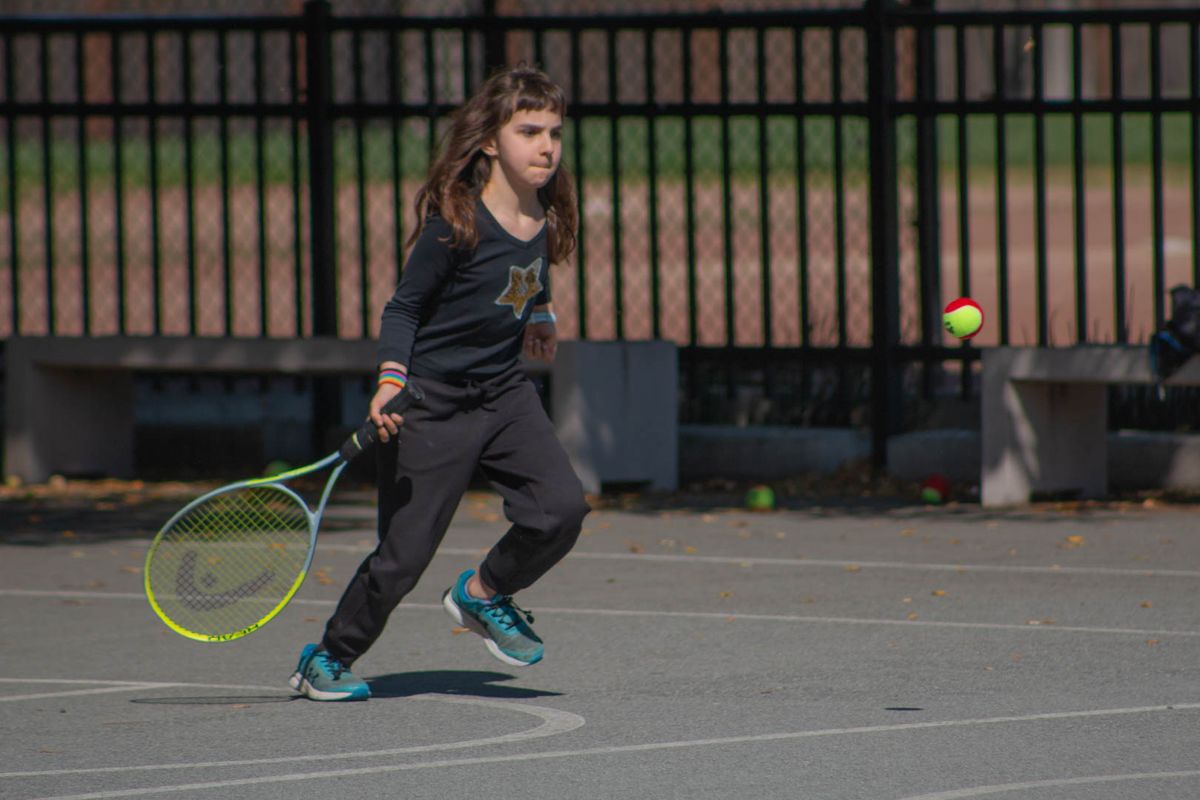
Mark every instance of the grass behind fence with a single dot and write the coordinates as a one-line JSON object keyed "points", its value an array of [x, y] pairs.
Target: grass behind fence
{"points": [[709, 151]]}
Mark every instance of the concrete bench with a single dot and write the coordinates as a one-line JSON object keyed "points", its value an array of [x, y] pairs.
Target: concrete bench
{"points": [[1045, 417], [69, 401]]}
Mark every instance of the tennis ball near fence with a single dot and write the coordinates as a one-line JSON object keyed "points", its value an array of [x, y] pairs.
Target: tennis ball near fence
{"points": [[935, 490], [760, 498], [963, 318]]}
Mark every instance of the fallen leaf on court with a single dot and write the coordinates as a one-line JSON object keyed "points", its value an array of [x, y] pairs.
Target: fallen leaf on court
{"points": [[708, 518], [1012, 551], [457, 631], [68, 534], [1073, 541], [780, 535], [96, 584], [132, 570], [636, 548], [1039, 622], [989, 669], [690, 549], [906, 600], [77, 554], [956, 541], [1152, 642], [853, 568], [322, 577], [312, 619], [726, 595], [912, 615], [240, 705], [908, 532], [938, 593], [1147, 604]]}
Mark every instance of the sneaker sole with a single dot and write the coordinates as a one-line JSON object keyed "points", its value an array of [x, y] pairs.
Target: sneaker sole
{"points": [[474, 627], [301, 685]]}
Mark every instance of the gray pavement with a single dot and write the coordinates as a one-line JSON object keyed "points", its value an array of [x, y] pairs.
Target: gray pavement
{"points": [[880, 651]]}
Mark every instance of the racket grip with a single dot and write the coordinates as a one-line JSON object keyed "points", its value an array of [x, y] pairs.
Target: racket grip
{"points": [[366, 435]]}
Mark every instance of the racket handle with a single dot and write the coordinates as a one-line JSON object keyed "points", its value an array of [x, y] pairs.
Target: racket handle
{"points": [[366, 435]]}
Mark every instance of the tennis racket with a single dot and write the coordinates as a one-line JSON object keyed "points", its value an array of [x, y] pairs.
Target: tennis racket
{"points": [[230, 560]]}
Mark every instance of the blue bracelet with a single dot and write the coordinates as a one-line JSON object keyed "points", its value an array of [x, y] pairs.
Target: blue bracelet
{"points": [[543, 317]]}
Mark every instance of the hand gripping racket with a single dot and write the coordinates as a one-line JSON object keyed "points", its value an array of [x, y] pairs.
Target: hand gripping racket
{"points": [[232, 559]]}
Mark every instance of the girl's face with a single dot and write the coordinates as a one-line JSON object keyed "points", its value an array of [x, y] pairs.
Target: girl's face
{"points": [[528, 148]]}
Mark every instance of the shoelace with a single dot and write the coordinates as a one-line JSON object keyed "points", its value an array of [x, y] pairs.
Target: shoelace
{"points": [[505, 610], [335, 667]]}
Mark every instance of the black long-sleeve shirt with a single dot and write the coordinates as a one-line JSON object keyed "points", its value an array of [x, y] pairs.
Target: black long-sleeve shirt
{"points": [[460, 314]]}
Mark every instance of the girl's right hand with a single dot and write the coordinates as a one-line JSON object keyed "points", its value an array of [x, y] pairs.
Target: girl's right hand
{"points": [[386, 425]]}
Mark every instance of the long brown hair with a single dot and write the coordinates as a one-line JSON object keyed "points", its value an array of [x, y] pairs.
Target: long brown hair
{"points": [[461, 169]]}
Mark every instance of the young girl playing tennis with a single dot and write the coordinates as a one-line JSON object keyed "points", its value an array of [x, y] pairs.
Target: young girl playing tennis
{"points": [[495, 211]]}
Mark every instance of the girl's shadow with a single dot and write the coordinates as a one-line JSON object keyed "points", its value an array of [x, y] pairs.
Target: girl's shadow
{"points": [[452, 682]]}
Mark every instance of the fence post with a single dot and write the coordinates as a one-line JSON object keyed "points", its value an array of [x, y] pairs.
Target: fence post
{"points": [[885, 261], [929, 257], [326, 401], [494, 41]]}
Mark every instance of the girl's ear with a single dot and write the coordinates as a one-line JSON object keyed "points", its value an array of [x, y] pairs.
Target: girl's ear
{"points": [[488, 148]]}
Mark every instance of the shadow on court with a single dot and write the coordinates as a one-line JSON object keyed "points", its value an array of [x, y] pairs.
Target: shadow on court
{"points": [[452, 682]]}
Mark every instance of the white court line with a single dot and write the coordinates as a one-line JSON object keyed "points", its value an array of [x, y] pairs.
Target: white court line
{"points": [[1000, 788], [1052, 569], [707, 615], [553, 723], [622, 749], [76, 692]]}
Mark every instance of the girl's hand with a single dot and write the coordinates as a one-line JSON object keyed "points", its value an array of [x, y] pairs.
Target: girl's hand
{"points": [[541, 341], [387, 425]]}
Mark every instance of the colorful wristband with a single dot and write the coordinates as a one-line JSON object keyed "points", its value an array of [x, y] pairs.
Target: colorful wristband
{"points": [[543, 317], [393, 377]]}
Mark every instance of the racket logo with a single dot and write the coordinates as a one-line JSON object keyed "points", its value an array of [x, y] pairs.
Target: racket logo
{"points": [[198, 599]]}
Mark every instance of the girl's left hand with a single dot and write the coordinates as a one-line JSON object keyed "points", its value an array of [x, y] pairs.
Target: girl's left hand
{"points": [[541, 341]]}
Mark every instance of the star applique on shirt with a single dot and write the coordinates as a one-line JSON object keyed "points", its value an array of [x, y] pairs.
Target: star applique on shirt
{"points": [[523, 285]]}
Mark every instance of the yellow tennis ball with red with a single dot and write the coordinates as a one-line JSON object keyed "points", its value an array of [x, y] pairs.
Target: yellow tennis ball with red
{"points": [[963, 318]]}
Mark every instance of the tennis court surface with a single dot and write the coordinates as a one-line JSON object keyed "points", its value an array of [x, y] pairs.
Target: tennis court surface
{"points": [[877, 650]]}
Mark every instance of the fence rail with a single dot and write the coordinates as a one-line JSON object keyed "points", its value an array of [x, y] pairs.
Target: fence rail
{"points": [[790, 196]]}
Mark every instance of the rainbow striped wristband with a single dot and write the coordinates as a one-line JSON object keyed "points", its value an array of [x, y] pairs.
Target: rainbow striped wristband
{"points": [[392, 376]]}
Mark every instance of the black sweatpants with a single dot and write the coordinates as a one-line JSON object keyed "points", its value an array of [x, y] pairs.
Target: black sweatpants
{"points": [[498, 426]]}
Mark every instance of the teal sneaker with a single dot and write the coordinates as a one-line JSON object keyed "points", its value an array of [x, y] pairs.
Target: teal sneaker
{"points": [[503, 625], [320, 676]]}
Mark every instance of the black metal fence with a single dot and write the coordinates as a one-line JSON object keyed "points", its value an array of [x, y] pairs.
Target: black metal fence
{"points": [[790, 196]]}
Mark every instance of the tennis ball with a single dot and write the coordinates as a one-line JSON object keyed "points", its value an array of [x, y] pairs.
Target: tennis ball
{"points": [[760, 498], [935, 490], [963, 318]]}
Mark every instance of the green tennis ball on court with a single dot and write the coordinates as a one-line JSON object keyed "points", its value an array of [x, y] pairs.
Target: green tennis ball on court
{"points": [[962, 318], [935, 490], [760, 498]]}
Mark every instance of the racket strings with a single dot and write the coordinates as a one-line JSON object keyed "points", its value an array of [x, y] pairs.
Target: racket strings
{"points": [[228, 561]]}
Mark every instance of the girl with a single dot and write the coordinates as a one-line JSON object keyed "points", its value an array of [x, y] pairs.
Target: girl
{"points": [[495, 211]]}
